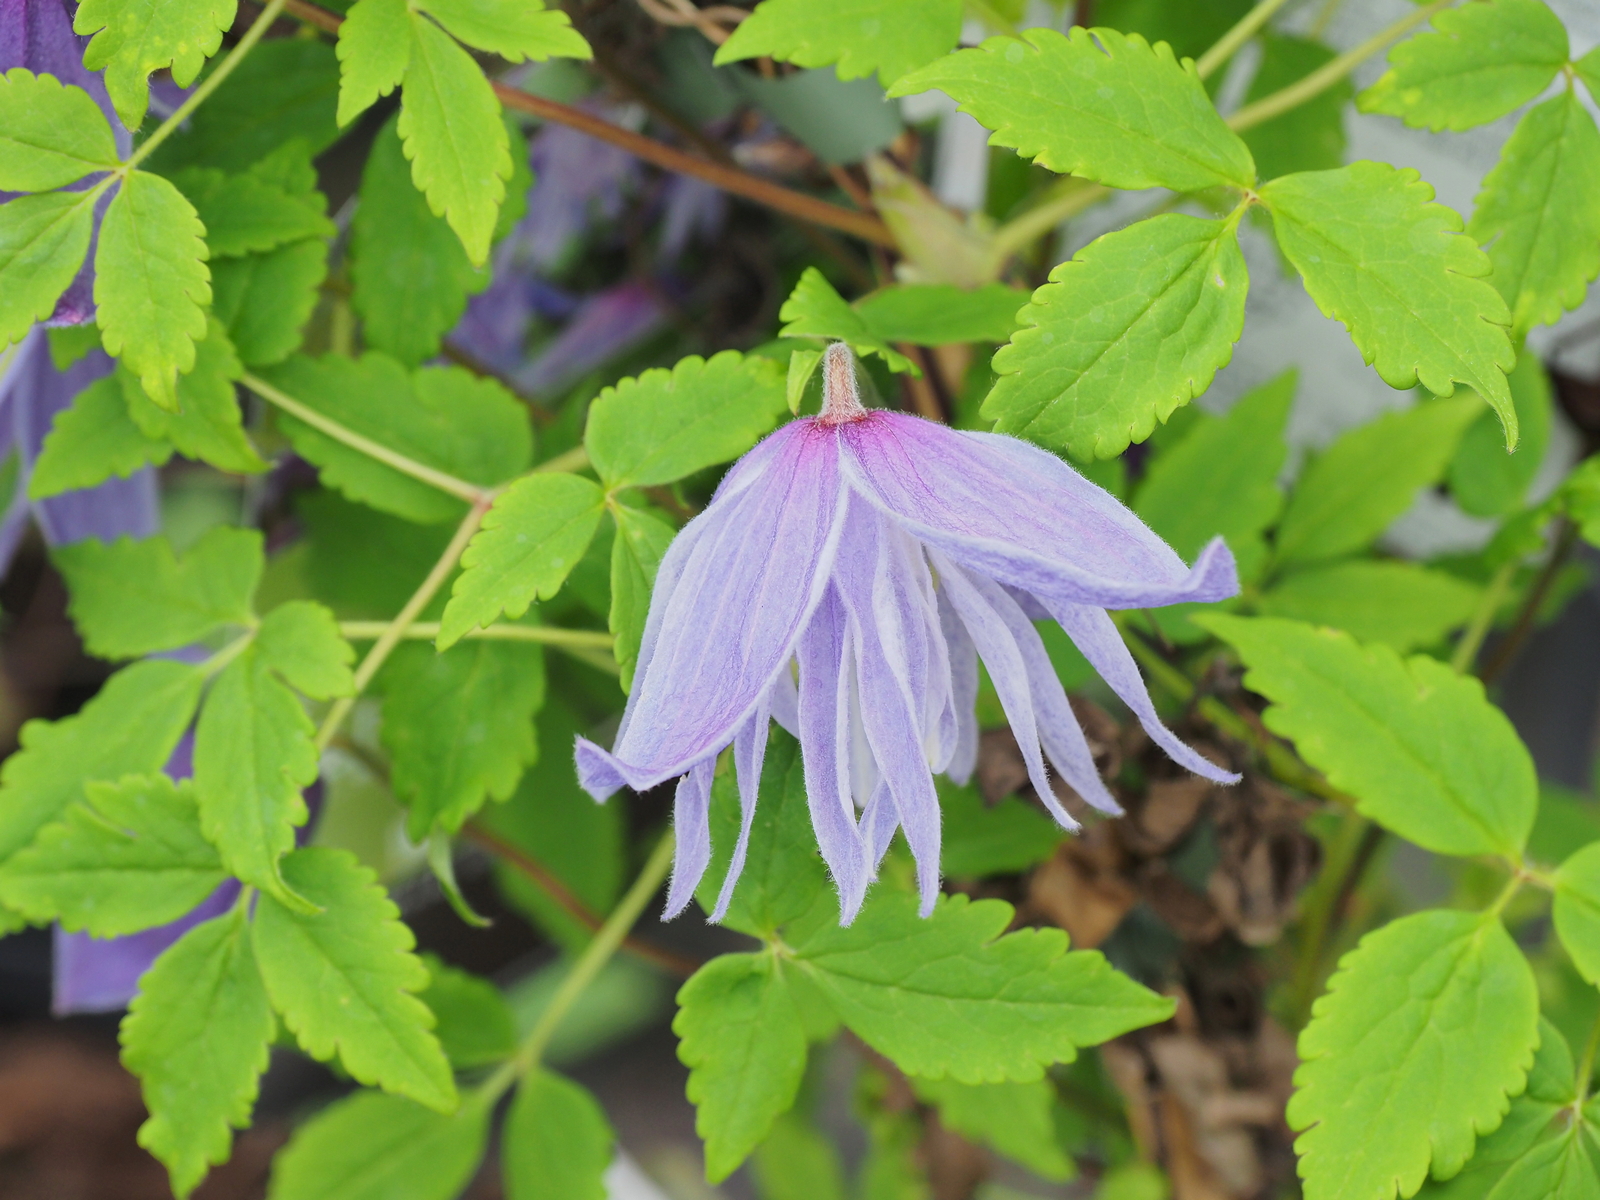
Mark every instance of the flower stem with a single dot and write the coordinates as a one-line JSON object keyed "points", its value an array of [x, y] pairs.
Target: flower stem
{"points": [[1066, 199], [550, 635], [1228, 45], [1471, 642], [209, 84], [572, 460], [1585, 1074]]}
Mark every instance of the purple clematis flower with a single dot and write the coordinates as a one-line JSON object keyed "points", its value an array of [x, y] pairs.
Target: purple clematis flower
{"points": [[845, 580]]}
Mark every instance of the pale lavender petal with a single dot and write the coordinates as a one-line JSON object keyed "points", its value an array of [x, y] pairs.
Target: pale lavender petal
{"points": [[691, 827], [749, 753], [1021, 516], [577, 180], [1096, 637], [784, 699], [878, 822], [496, 322], [694, 210], [605, 325], [964, 692]]}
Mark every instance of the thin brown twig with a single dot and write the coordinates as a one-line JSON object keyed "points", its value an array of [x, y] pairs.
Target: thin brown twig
{"points": [[1506, 651]]}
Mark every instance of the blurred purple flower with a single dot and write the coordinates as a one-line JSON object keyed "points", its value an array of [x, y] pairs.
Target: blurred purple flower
{"points": [[577, 179], [694, 210], [605, 325], [883, 555]]}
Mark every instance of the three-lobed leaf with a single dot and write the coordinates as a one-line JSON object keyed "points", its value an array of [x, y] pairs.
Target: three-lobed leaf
{"points": [[815, 309], [50, 134], [557, 1142], [133, 38], [43, 241], [374, 51], [891, 37], [207, 424], [941, 314]]}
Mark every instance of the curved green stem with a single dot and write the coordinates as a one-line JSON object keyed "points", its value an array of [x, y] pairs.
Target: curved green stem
{"points": [[1466, 653], [1228, 45], [550, 635], [572, 460], [1586, 1067], [1067, 199]]}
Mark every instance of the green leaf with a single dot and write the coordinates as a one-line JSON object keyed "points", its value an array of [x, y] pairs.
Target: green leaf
{"points": [[948, 996], [452, 132], [362, 563], [50, 135], [265, 300], [246, 214], [208, 424], [1103, 106], [459, 727], [151, 282], [137, 37], [531, 538], [1188, 28], [475, 1026], [513, 29], [370, 1146], [442, 417], [1577, 910], [1222, 477], [1384, 1088], [1355, 489], [797, 1161], [1134, 326], [342, 978], [133, 597], [1396, 272], [636, 552], [301, 641], [1310, 136], [1484, 61], [891, 37], [557, 1142], [939, 314], [982, 839], [374, 51], [130, 859], [1484, 479], [1537, 209], [43, 241], [814, 309], [742, 1039], [252, 756], [1420, 748], [1399, 604], [92, 441], [1013, 1119], [129, 728], [196, 1035], [1588, 70], [1562, 1168]]}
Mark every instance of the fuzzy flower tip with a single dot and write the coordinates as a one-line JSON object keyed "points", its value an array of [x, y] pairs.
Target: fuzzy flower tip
{"points": [[844, 581]]}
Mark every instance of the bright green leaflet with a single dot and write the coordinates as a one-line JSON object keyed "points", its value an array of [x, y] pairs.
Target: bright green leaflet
{"points": [[1399, 604], [300, 640], [363, 563], [197, 1035], [245, 214], [475, 1026], [208, 424], [265, 300], [1537, 208], [1577, 910], [137, 37], [1588, 70], [512, 29], [442, 417], [814, 309], [1135, 325], [1309, 137], [1484, 479], [665, 425], [891, 37], [1383, 1088], [1562, 1168], [133, 597], [129, 728], [1013, 1119], [92, 441], [451, 127], [938, 314], [1420, 748], [1484, 61], [1189, 29], [636, 553], [130, 859], [343, 978], [1104, 106], [252, 756], [43, 241], [557, 1142], [50, 135], [530, 540], [1392, 268], [374, 51], [370, 1146], [459, 727], [744, 1044], [1222, 478], [151, 283], [1355, 489], [950, 997], [980, 840], [798, 1162]]}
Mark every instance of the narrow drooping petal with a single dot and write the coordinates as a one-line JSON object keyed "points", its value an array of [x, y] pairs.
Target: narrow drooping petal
{"points": [[879, 820], [964, 692], [749, 754], [1021, 516], [1096, 637], [691, 827]]}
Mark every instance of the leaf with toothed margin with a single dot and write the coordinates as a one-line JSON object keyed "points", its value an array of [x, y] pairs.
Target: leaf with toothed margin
{"points": [[92, 441], [50, 135], [814, 309], [43, 241], [208, 424], [134, 38], [890, 37], [301, 641], [514, 29], [558, 1142], [374, 51]]}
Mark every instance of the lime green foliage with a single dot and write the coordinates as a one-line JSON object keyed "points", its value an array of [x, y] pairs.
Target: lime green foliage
{"points": [[131, 858], [1354, 490], [1484, 479], [133, 38], [92, 441], [1013, 1119], [370, 1146], [1384, 1087], [1563, 1167], [196, 1035], [43, 241], [530, 540], [151, 282], [1484, 61], [1577, 910], [1420, 748], [374, 50], [1399, 604], [265, 300], [1537, 208], [1189, 29], [557, 1142], [1104, 106], [475, 1025], [1588, 70], [814, 309], [798, 1162], [1392, 267], [442, 417], [50, 135], [207, 424], [129, 728], [1133, 327], [1309, 137], [134, 597], [245, 214], [514, 29], [982, 839], [940, 314], [890, 37], [342, 978], [300, 640], [636, 552]]}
